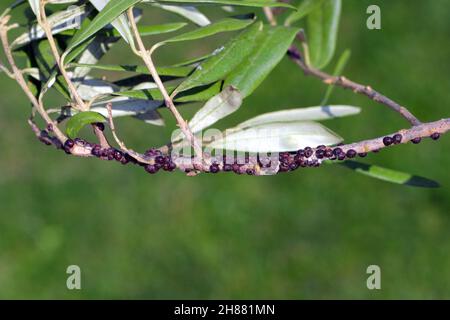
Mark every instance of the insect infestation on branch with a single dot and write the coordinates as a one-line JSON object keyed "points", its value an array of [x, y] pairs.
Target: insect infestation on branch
{"points": [[65, 40]]}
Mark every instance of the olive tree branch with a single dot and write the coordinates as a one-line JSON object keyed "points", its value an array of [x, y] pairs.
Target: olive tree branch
{"points": [[414, 134], [4, 28], [43, 22], [341, 81], [345, 83], [167, 99], [347, 151], [123, 147]]}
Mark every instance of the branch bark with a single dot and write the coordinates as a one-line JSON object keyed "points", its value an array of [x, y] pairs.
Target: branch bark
{"points": [[186, 164], [4, 28], [345, 83]]}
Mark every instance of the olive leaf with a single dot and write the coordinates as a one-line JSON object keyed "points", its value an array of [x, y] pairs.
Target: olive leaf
{"points": [[78, 121], [188, 12], [390, 175], [304, 8], [277, 137], [96, 49], [110, 12], [59, 22], [271, 45], [247, 3], [120, 24], [218, 107], [152, 117], [224, 25], [323, 25], [225, 60], [157, 29], [197, 94], [90, 88], [301, 114], [178, 72], [124, 106]]}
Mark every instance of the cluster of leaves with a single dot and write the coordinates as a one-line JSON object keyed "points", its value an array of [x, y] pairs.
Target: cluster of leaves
{"points": [[86, 29]]}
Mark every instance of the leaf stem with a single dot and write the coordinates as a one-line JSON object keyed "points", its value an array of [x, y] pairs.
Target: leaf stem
{"points": [[143, 53], [43, 22], [4, 28], [270, 16]]}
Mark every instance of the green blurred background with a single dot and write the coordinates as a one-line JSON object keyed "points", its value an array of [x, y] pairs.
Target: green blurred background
{"points": [[310, 234]]}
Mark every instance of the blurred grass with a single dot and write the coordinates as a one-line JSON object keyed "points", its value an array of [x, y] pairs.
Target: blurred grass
{"points": [[310, 234]]}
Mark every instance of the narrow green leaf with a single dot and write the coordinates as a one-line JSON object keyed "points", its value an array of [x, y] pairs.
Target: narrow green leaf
{"points": [[225, 60], [78, 121], [162, 71], [77, 51], [109, 13], [157, 29], [60, 22], [194, 61], [188, 12], [271, 46], [247, 3], [46, 64], [323, 24], [225, 25], [199, 94], [70, 55], [120, 24], [143, 94], [144, 31], [218, 107], [390, 175], [305, 8]]}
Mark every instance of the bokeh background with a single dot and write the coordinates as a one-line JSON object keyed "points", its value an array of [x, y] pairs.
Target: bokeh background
{"points": [[310, 234]]}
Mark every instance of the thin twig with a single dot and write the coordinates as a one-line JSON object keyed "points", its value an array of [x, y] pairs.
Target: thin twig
{"points": [[270, 16], [355, 87], [113, 127], [43, 22], [101, 137], [167, 99], [4, 28], [123, 147], [6, 71], [341, 81]]}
